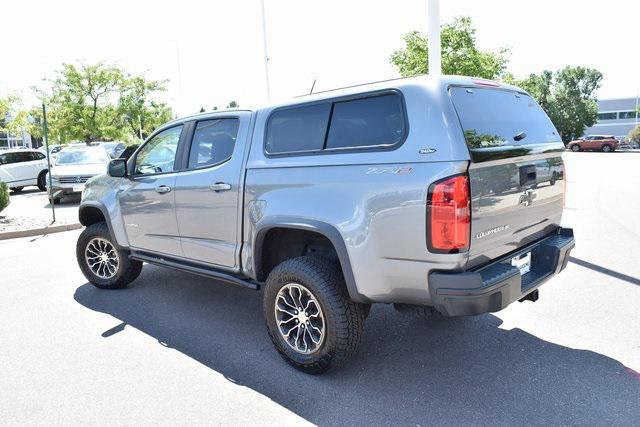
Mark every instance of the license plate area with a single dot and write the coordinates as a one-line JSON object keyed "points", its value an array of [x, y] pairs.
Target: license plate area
{"points": [[522, 262]]}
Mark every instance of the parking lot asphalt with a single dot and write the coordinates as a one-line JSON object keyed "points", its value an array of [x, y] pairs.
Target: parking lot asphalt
{"points": [[180, 349]]}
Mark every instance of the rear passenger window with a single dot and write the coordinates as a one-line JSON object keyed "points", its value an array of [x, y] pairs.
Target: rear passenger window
{"points": [[21, 157], [213, 142], [297, 129], [366, 122]]}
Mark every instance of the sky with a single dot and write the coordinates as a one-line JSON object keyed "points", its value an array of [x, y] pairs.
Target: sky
{"points": [[212, 51]]}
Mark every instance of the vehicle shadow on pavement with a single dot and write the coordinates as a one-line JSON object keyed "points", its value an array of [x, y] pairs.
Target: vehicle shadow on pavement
{"points": [[408, 371]]}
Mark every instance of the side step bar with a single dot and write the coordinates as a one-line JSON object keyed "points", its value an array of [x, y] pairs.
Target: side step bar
{"points": [[196, 269]]}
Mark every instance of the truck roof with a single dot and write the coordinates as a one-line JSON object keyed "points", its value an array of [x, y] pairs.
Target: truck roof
{"points": [[433, 82]]}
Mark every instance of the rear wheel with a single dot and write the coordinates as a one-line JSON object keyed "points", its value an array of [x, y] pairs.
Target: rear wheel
{"points": [[101, 262], [554, 178], [606, 149], [42, 181], [575, 148], [310, 318], [17, 189]]}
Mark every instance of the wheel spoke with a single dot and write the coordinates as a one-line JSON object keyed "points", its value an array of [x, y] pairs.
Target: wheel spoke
{"points": [[284, 322], [298, 337], [297, 299], [313, 340], [284, 310], [291, 330], [284, 300]]}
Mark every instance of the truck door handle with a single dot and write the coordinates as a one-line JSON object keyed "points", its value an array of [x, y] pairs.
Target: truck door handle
{"points": [[162, 189], [220, 186]]}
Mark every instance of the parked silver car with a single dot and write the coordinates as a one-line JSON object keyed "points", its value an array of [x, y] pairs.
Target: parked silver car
{"points": [[72, 169], [421, 192]]}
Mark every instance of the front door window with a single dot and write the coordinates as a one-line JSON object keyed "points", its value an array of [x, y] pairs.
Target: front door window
{"points": [[159, 154]]}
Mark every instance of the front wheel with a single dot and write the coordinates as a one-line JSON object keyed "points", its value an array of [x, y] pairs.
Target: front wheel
{"points": [[101, 262], [310, 318], [575, 148], [606, 149]]}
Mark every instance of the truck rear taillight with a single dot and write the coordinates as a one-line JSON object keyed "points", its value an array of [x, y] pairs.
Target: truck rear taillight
{"points": [[449, 215]]}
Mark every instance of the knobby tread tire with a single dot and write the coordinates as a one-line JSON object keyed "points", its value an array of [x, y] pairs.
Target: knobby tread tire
{"points": [[128, 270], [344, 318]]}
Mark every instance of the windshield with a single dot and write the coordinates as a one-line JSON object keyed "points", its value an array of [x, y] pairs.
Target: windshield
{"points": [[74, 157], [502, 123]]}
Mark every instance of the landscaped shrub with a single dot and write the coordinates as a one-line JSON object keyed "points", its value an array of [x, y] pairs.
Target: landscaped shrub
{"points": [[4, 195]]}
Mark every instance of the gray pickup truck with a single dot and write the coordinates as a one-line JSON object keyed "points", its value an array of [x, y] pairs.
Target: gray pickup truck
{"points": [[441, 195]]}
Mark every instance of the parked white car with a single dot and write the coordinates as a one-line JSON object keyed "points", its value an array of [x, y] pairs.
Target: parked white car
{"points": [[54, 149], [73, 167], [23, 167]]}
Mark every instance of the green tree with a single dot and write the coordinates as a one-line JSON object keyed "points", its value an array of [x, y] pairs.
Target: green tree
{"points": [[100, 102], [139, 112], [83, 102], [233, 104], [459, 53], [13, 119], [7, 105], [568, 98], [634, 135]]}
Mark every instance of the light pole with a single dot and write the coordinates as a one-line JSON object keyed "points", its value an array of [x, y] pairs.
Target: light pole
{"points": [[435, 61], [45, 137], [637, 111], [266, 55]]}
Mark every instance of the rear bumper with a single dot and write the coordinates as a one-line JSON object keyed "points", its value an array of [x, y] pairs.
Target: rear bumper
{"points": [[493, 287]]}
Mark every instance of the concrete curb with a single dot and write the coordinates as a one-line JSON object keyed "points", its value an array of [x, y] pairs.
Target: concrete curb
{"points": [[39, 231]]}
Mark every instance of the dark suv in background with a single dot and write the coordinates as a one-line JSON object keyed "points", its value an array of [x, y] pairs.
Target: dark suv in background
{"points": [[606, 143]]}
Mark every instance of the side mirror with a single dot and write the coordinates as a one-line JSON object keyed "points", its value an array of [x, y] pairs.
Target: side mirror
{"points": [[117, 168]]}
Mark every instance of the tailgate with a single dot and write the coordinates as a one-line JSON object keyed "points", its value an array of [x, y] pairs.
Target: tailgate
{"points": [[516, 171]]}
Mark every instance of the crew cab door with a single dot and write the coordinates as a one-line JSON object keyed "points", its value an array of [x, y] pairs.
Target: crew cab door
{"points": [[208, 192], [147, 198]]}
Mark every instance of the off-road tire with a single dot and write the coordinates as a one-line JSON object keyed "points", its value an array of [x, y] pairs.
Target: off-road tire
{"points": [[128, 270], [344, 319], [42, 181]]}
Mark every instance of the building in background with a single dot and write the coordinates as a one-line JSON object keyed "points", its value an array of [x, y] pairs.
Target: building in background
{"points": [[15, 141], [615, 117]]}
